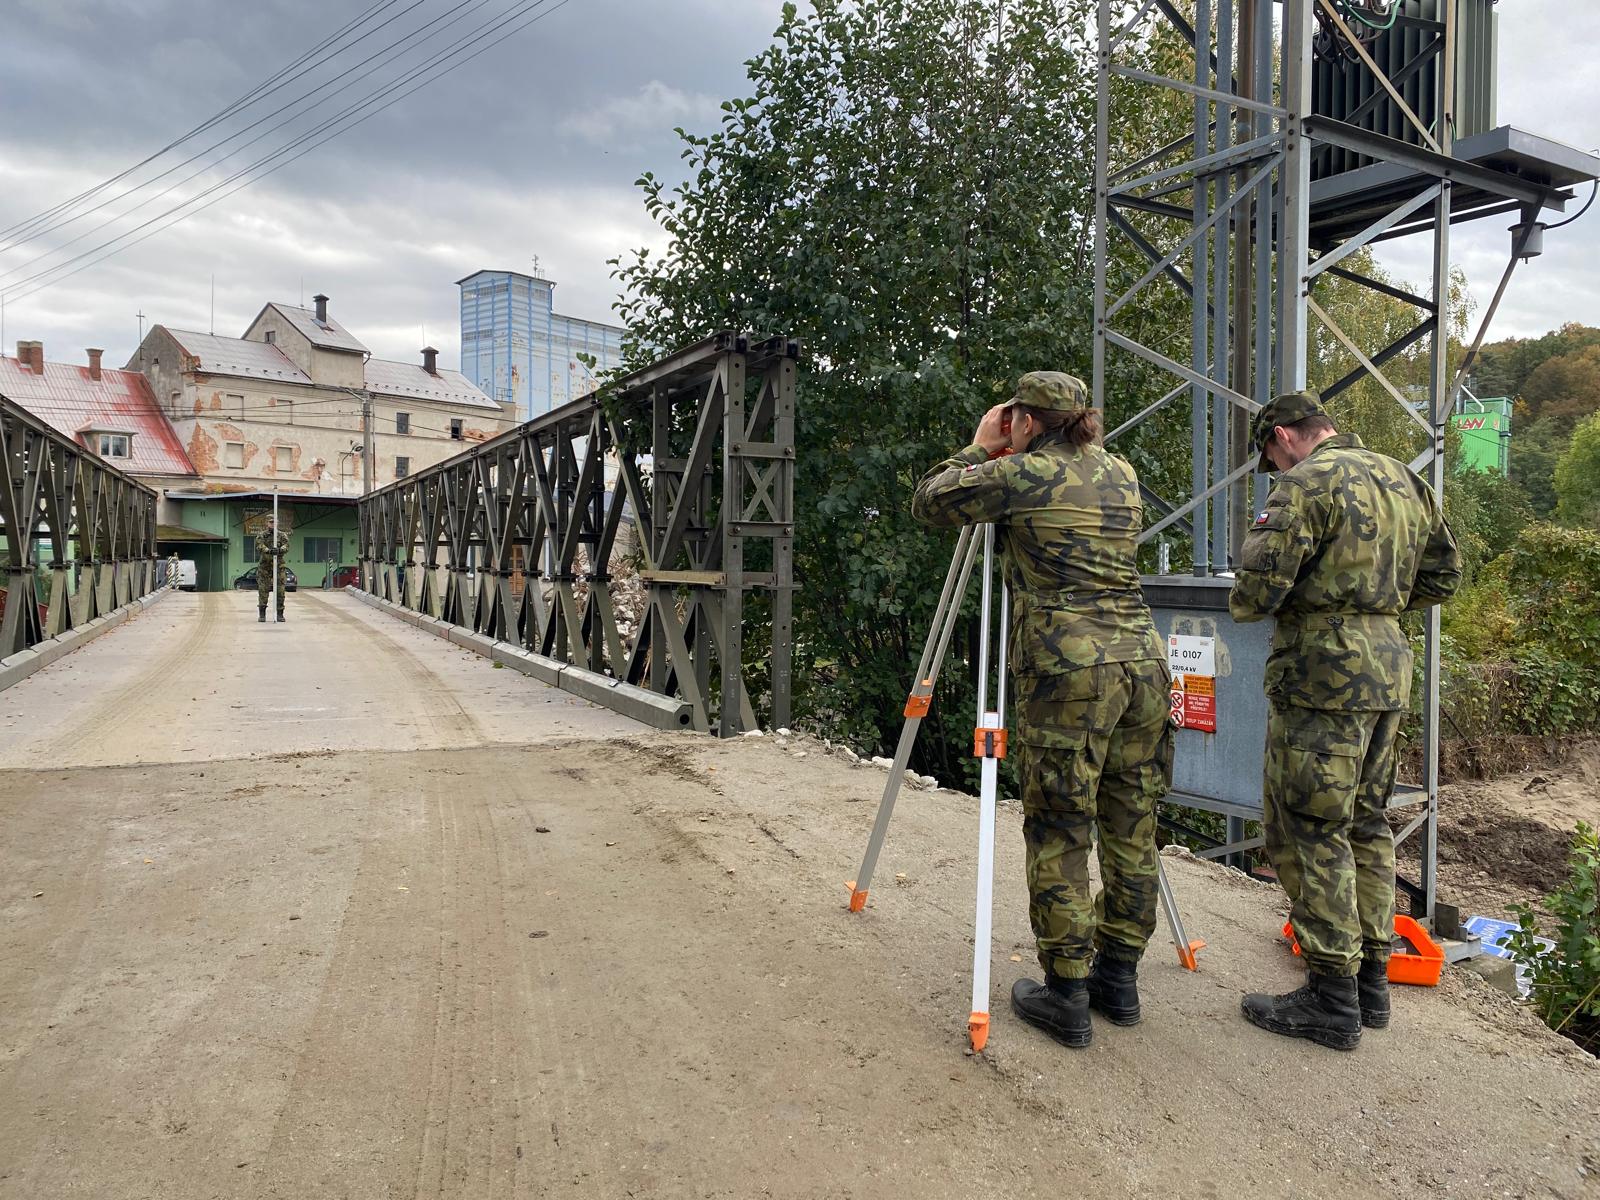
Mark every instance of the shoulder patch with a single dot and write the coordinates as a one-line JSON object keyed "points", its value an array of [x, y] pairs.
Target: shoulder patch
{"points": [[1263, 517]]}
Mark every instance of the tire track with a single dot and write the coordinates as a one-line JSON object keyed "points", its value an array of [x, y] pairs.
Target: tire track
{"points": [[111, 711], [424, 688]]}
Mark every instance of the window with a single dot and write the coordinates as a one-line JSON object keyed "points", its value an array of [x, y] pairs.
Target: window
{"points": [[455, 428], [402, 422], [402, 466], [283, 459], [234, 406], [233, 454], [271, 336], [324, 549], [113, 445]]}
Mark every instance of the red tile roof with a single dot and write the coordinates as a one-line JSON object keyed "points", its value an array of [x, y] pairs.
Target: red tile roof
{"points": [[70, 400]]}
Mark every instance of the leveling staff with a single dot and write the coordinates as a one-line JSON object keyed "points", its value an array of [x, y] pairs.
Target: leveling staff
{"points": [[1094, 740], [1347, 541]]}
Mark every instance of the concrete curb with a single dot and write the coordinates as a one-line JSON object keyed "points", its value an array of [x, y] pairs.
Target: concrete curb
{"points": [[661, 712], [20, 665]]}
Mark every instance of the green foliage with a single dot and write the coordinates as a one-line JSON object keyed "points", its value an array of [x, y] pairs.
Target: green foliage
{"points": [[908, 189], [1565, 979], [1577, 477], [1487, 513], [1503, 367]]}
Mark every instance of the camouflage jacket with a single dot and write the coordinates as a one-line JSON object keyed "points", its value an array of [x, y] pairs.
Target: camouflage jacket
{"points": [[1348, 540], [265, 548], [1067, 519]]}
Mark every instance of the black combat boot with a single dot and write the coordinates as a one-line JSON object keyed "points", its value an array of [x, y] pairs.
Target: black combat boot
{"points": [[1325, 1010], [1059, 1006], [263, 613], [1114, 989], [1373, 986], [280, 614]]}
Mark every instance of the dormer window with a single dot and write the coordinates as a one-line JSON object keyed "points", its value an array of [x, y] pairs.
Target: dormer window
{"points": [[271, 336], [114, 445]]}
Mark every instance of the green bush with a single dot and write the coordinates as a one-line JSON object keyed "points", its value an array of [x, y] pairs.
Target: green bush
{"points": [[1565, 979]]}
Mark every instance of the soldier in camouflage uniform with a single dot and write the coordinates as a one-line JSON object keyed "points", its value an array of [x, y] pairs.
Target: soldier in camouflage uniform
{"points": [[272, 548], [1093, 738], [1347, 541]]}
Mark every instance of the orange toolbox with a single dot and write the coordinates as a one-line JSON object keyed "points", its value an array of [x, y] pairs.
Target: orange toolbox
{"points": [[1416, 958]]}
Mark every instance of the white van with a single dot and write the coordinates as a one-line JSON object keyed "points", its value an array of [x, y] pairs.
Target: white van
{"points": [[186, 575]]}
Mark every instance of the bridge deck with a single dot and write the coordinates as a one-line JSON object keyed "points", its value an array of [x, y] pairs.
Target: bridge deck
{"points": [[607, 966], [196, 678]]}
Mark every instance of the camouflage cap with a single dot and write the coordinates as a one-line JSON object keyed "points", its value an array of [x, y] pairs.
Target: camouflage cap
{"points": [[1282, 410], [1051, 391]]}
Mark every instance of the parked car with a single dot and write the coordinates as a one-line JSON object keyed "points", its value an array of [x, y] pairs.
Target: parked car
{"points": [[346, 577], [187, 575], [247, 581]]}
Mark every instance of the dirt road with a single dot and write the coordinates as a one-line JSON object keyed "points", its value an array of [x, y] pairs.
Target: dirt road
{"points": [[372, 974]]}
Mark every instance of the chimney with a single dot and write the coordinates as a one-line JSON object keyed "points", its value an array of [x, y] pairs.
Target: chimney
{"points": [[94, 362], [23, 359], [430, 360], [37, 350], [321, 302]]}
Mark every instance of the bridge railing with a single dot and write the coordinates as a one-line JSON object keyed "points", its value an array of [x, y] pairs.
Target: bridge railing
{"points": [[696, 453], [99, 525]]}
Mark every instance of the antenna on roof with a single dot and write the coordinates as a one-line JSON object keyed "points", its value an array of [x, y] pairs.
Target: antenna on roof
{"points": [[139, 314]]}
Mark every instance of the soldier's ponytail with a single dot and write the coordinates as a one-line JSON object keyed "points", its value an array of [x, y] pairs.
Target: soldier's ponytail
{"points": [[1078, 428]]}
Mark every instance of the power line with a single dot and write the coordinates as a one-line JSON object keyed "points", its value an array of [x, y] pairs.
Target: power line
{"points": [[243, 101], [414, 37], [20, 289]]}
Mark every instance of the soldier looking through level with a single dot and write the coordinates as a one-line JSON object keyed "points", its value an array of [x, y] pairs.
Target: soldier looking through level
{"points": [[1094, 744], [1347, 541], [272, 547]]}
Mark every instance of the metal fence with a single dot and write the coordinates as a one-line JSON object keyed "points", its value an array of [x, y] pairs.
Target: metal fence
{"points": [[514, 539], [98, 525]]}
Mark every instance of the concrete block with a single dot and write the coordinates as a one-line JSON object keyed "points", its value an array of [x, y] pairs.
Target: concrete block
{"points": [[478, 643], [18, 667], [642, 705], [535, 666], [1499, 972], [53, 648]]}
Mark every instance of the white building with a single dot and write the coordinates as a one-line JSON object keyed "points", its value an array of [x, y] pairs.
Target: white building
{"points": [[281, 407]]}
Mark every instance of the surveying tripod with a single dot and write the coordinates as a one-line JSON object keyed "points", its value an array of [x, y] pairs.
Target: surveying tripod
{"points": [[989, 746]]}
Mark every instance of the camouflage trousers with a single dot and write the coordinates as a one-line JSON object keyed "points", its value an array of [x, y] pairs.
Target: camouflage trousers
{"points": [[1328, 779], [1094, 751], [264, 584]]}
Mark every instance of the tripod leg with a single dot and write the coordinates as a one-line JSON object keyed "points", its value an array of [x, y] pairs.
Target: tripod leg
{"points": [[1186, 949], [955, 587]]}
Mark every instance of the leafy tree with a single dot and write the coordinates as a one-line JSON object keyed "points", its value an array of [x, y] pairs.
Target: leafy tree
{"points": [[1535, 451], [1502, 367], [1577, 477], [1563, 389], [907, 188]]}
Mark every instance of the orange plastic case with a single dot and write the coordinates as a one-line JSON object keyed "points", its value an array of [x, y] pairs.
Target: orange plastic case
{"points": [[1421, 966]]}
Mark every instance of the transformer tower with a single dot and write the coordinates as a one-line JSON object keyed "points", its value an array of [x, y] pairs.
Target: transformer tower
{"points": [[1310, 130]]}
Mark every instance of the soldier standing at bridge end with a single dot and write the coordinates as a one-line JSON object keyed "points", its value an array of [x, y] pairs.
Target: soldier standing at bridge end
{"points": [[272, 548]]}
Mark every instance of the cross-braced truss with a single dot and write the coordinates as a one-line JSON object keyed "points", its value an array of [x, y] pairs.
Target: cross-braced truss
{"points": [[98, 524], [514, 538]]}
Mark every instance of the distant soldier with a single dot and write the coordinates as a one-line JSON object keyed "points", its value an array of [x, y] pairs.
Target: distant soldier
{"points": [[272, 548], [1347, 541], [1094, 742]]}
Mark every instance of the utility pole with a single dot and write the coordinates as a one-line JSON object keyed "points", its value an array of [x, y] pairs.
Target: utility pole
{"points": [[366, 443]]}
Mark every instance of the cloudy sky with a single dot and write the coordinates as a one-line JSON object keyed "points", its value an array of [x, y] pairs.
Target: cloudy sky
{"points": [[529, 150]]}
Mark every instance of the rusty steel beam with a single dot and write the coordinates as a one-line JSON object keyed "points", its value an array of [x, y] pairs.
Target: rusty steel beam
{"points": [[513, 538], [100, 526]]}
